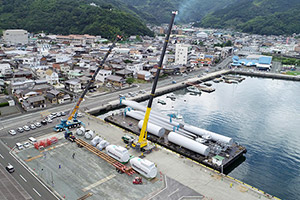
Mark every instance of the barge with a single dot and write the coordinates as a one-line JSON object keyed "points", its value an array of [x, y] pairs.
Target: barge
{"points": [[218, 155]]}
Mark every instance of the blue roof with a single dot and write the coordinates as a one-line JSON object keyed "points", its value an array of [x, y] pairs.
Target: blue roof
{"points": [[235, 58], [265, 60]]}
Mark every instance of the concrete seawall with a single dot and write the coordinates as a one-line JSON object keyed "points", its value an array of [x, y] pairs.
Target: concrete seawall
{"points": [[160, 91], [173, 87], [267, 75]]}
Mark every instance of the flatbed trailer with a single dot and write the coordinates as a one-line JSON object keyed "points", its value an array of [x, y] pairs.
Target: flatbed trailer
{"points": [[121, 168]]}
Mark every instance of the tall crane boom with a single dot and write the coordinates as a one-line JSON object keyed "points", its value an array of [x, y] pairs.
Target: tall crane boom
{"points": [[75, 109], [142, 141]]}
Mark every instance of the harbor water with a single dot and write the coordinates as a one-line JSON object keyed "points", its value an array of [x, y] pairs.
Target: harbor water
{"points": [[261, 114]]}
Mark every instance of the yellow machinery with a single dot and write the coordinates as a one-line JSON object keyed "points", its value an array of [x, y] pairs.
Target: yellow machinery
{"points": [[142, 143]]}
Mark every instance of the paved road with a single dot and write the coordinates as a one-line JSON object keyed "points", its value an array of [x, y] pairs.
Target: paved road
{"points": [[34, 188]]}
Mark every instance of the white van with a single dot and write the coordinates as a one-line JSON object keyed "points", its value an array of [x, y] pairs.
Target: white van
{"points": [[32, 140], [19, 146]]}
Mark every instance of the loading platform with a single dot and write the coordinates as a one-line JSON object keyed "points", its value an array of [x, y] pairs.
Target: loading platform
{"points": [[121, 168]]}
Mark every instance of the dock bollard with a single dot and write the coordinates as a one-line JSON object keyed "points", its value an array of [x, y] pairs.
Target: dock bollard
{"points": [[231, 185]]}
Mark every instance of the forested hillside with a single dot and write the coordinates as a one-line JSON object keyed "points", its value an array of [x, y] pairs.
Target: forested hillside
{"points": [[68, 16], [158, 11], [258, 16]]}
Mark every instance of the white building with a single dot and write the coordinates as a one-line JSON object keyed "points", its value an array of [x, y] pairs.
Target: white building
{"points": [[101, 76], [5, 69], [181, 54], [15, 36], [202, 35]]}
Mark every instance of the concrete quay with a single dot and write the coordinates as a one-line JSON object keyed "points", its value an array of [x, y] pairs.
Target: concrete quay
{"points": [[266, 75], [178, 177]]}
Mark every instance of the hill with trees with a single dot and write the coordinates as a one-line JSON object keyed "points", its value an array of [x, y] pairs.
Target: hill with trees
{"points": [[69, 17], [264, 17], [158, 11]]}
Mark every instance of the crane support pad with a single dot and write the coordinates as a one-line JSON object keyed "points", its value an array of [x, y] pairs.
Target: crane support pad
{"points": [[119, 166]]}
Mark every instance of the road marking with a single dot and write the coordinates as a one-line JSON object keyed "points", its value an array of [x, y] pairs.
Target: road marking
{"points": [[35, 157], [98, 183], [32, 173], [36, 192], [23, 178], [1, 156], [173, 192]]}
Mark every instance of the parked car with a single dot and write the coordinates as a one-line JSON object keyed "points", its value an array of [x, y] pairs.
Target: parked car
{"points": [[20, 130], [79, 115], [19, 146], [44, 122], [12, 132], [32, 140], [26, 144], [63, 113], [37, 124], [49, 120], [10, 168], [26, 128], [32, 126], [51, 117], [58, 114]]}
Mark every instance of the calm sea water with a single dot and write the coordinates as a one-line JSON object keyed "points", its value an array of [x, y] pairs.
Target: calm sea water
{"points": [[261, 114]]}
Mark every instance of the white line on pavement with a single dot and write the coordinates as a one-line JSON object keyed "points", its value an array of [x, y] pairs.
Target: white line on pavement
{"points": [[36, 192], [23, 178], [1, 156], [31, 172], [173, 192]]}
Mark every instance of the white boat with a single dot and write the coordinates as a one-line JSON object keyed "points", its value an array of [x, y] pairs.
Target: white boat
{"points": [[193, 89]]}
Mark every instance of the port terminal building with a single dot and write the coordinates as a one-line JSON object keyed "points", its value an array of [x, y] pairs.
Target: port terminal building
{"points": [[259, 61]]}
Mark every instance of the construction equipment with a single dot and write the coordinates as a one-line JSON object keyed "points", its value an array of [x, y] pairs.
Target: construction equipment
{"points": [[71, 121], [119, 166], [141, 143], [137, 180]]}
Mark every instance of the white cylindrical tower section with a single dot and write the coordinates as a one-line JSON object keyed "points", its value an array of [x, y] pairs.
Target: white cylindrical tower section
{"points": [[96, 140], [188, 143], [214, 136], [153, 129], [89, 135], [80, 131], [117, 152], [144, 167], [102, 144]]}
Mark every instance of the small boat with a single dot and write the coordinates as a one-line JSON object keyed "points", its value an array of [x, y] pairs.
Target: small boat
{"points": [[171, 96], [207, 84], [193, 89], [193, 93], [162, 102], [218, 80]]}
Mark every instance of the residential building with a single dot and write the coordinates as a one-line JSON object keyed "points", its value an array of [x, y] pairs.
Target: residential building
{"points": [[102, 75], [52, 77], [73, 85], [116, 80], [5, 69], [35, 102], [144, 75], [15, 36], [181, 54], [55, 96]]}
